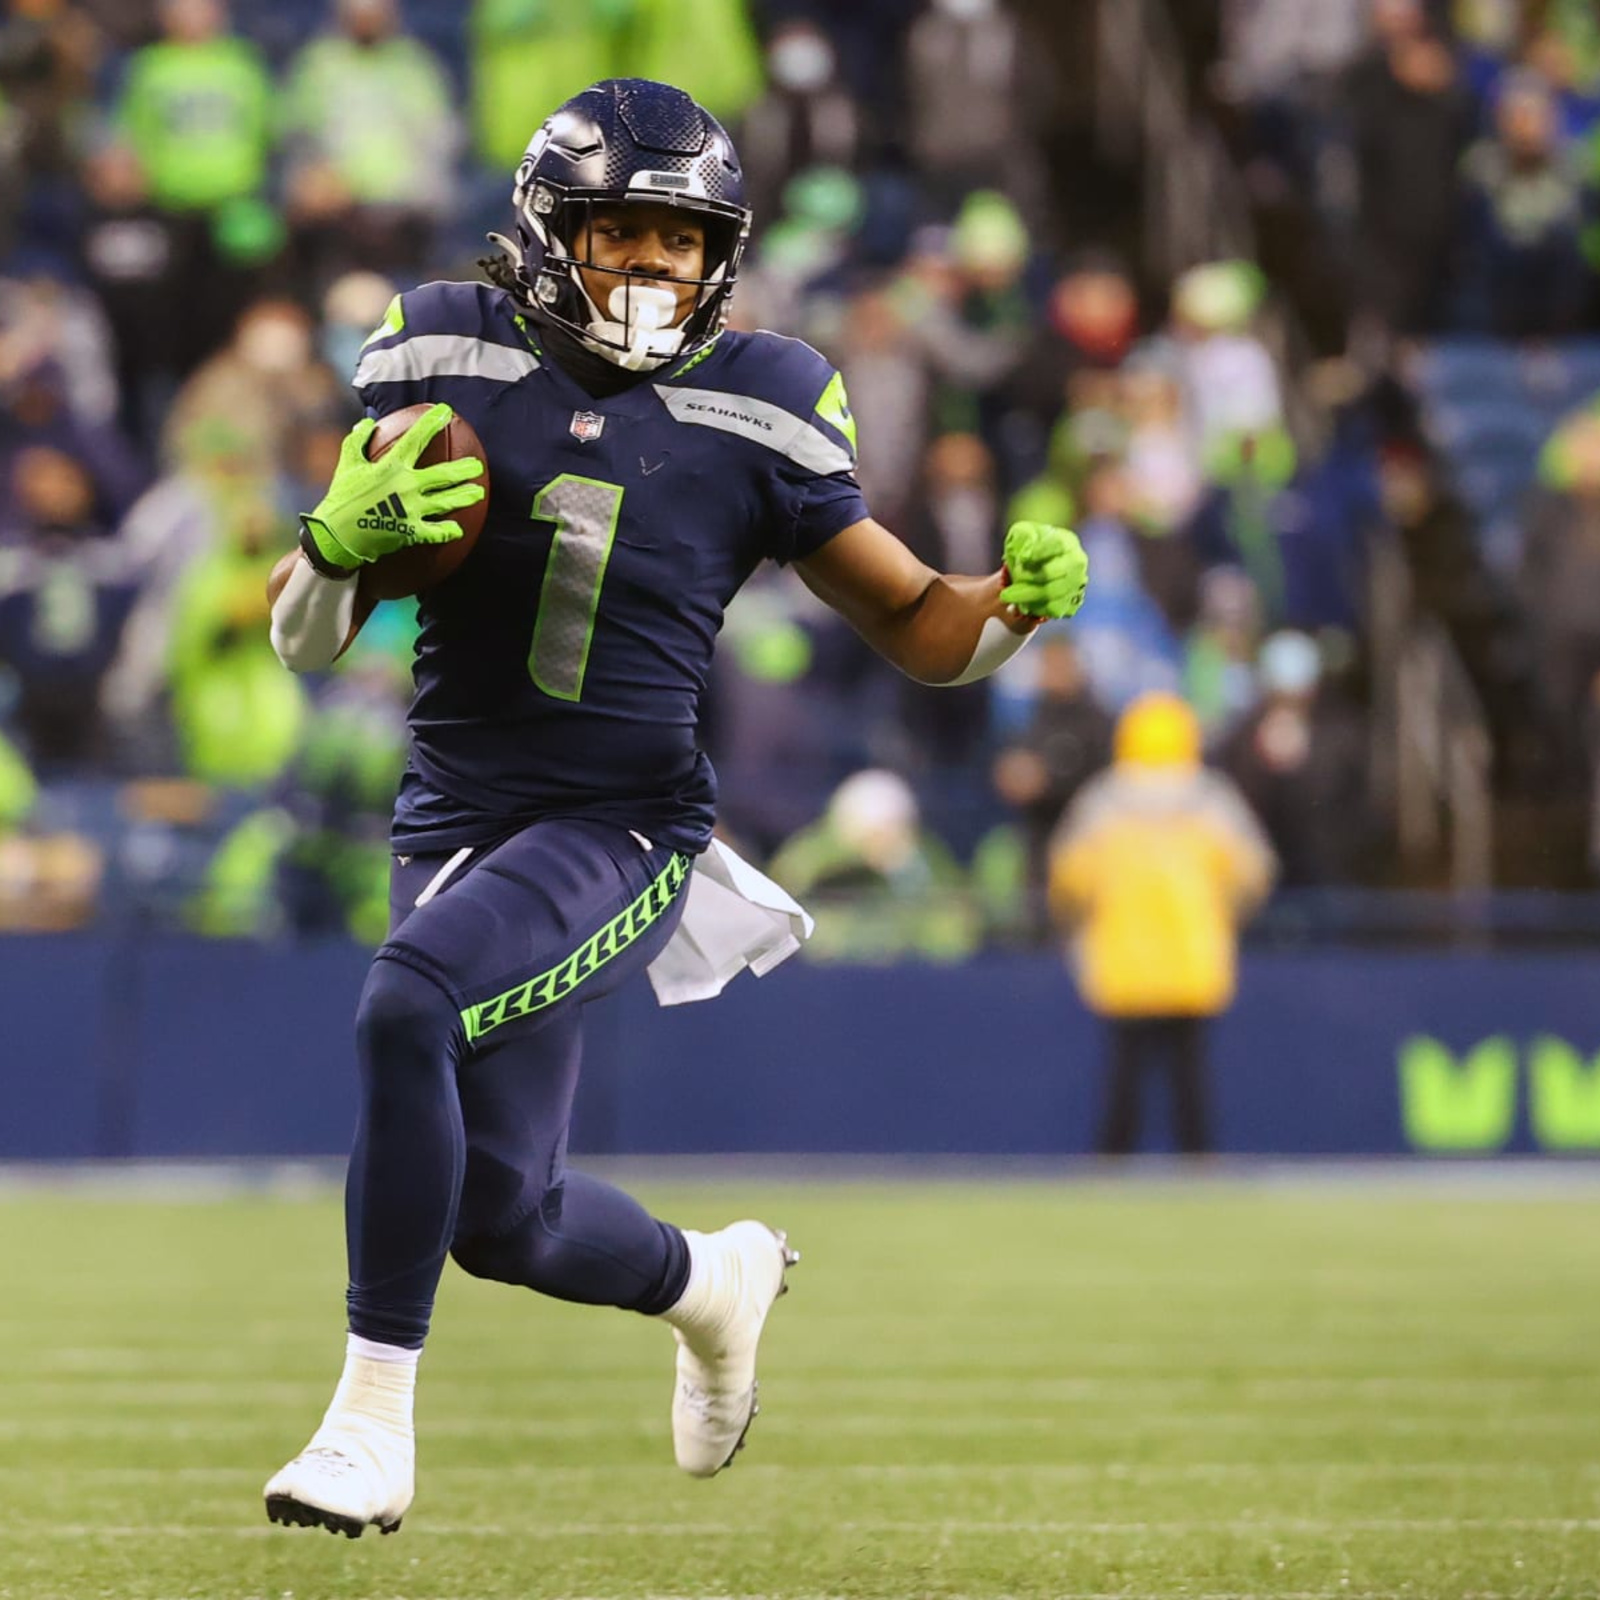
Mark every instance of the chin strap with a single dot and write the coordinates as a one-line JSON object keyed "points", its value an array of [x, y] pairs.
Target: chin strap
{"points": [[635, 336]]}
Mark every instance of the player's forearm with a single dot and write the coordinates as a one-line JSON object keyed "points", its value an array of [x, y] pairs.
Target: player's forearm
{"points": [[956, 632], [311, 615], [934, 627]]}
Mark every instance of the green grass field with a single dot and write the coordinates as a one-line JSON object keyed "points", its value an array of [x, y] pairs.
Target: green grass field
{"points": [[1019, 1389]]}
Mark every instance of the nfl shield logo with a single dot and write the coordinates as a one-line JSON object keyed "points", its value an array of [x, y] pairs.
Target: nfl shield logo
{"points": [[586, 426]]}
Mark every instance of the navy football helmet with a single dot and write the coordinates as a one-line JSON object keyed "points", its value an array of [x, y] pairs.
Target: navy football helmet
{"points": [[626, 140]]}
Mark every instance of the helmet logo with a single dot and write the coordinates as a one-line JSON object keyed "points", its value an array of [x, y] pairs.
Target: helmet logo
{"points": [[586, 426], [544, 202]]}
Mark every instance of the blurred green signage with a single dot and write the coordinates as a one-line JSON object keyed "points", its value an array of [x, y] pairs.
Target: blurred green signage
{"points": [[1467, 1104]]}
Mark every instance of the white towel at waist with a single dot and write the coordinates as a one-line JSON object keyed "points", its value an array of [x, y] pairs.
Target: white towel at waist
{"points": [[735, 917]]}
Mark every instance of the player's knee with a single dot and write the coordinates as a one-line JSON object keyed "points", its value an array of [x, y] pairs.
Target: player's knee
{"points": [[403, 1016], [527, 1255], [484, 1255]]}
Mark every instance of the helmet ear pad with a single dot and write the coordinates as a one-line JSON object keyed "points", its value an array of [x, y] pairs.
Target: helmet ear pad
{"points": [[623, 141]]}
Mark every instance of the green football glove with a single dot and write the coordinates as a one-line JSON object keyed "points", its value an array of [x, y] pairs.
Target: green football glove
{"points": [[375, 507], [1048, 570]]}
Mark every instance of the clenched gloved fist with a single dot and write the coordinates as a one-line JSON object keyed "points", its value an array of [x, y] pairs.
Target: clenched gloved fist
{"points": [[1048, 570], [375, 507]]}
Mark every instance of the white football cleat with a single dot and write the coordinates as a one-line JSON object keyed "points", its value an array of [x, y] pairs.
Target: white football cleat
{"points": [[359, 1470], [343, 1485], [735, 1276]]}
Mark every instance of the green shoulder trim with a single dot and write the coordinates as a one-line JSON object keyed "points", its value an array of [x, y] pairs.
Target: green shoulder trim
{"points": [[834, 408], [527, 332], [699, 356], [394, 319]]}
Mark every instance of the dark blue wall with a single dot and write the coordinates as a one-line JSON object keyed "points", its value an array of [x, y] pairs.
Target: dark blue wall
{"points": [[182, 1047]]}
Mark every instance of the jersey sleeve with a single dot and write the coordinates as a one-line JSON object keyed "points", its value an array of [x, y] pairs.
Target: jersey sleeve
{"points": [[817, 493], [458, 332], [813, 511]]}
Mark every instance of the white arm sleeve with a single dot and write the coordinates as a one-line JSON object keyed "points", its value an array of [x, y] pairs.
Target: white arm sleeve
{"points": [[996, 646], [311, 618]]}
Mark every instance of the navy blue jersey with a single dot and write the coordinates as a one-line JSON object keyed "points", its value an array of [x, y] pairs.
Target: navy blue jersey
{"points": [[559, 670]]}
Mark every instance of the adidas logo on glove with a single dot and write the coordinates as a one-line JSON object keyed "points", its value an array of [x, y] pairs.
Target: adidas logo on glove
{"points": [[388, 516]]}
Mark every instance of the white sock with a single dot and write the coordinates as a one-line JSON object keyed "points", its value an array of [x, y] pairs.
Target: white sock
{"points": [[377, 1389], [355, 1345], [706, 1288]]}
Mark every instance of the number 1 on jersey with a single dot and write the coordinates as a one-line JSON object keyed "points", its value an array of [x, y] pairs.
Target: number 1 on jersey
{"points": [[585, 513]]}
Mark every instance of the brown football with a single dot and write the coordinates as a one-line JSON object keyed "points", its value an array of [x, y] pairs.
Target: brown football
{"points": [[421, 566]]}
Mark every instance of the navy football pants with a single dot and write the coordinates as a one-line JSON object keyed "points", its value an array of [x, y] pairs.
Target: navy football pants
{"points": [[470, 1039]]}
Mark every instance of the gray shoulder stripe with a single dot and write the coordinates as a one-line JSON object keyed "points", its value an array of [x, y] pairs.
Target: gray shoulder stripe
{"points": [[767, 424], [444, 355]]}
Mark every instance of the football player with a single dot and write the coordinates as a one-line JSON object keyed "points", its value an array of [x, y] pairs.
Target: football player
{"points": [[642, 462]]}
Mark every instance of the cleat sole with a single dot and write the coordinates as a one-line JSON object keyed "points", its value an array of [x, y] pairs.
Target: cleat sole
{"points": [[791, 1257], [291, 1513], [744, 1432]]}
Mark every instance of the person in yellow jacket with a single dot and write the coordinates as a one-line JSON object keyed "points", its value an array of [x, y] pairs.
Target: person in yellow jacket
{"points": [[1153, 869]]}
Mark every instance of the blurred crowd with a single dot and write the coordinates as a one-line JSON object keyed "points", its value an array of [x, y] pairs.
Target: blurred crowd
{"points": [[1438, 164], [204, 211], [1452, 147]]}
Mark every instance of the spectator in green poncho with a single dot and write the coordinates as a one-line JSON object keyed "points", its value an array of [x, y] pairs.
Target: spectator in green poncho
{"points": [[718, 61], [891, 889], [196, 113], [196, 110], [238, 716], [372, 140], [18, 791], [1566, 45], [335, 874], [316, 861], [530, 53]]}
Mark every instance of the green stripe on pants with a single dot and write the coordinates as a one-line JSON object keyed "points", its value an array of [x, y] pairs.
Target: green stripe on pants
{"points": [[589, 957]]}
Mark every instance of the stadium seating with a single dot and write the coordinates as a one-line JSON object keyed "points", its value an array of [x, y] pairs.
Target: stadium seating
{"points": [[1489, 408]]}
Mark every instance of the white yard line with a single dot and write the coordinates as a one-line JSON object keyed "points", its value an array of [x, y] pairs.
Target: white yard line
{"points": [[1343, 1592], [1134, 1472], [159, 1383], [922, 1527], [1055, 1594], [947, 1426]]}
